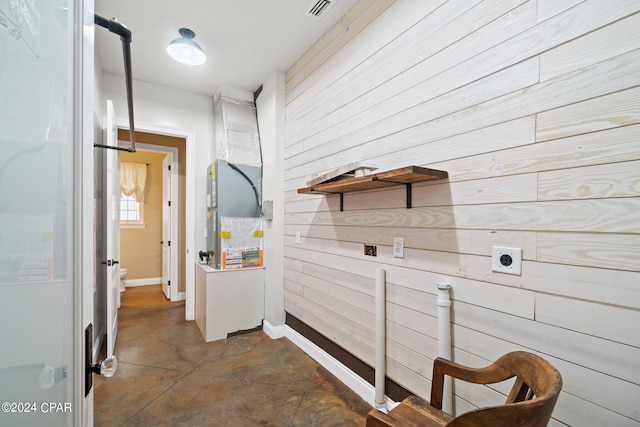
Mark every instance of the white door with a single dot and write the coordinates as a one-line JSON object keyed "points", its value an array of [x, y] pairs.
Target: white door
{"points": [[166, 226], [112, 220], [46, 213]]}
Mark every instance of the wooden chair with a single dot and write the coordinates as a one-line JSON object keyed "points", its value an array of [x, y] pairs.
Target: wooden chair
{"points": [[529, 404]]}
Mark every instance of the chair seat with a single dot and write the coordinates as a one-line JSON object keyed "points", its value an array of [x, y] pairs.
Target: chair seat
{"points": [[412, 412]]}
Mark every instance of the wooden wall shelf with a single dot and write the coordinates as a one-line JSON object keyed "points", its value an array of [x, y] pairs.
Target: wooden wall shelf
{"points": [[403, 176]]}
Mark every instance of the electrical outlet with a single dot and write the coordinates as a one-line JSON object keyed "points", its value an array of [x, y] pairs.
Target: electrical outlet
{"points": [[398, 247], [506, 260], [370, 250], [298, 237]]}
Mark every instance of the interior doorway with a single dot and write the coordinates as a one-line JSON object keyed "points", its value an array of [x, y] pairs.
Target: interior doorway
{"points": [[174, 147], [150, 226]]}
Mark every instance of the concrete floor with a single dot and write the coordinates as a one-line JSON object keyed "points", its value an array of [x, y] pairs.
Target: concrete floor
{"points": [[169, 376]]}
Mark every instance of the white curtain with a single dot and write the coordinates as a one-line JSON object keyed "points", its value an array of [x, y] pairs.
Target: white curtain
{"points": [[133, 177]]}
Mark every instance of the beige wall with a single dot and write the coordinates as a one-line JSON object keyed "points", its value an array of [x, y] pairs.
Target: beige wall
{"points": [[532, 108], [140, 248]]}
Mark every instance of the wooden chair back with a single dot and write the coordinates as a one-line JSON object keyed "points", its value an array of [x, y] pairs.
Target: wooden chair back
{"points": [[532, 398], [529, 404]]}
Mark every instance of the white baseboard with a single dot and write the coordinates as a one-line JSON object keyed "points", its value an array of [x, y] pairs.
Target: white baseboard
{"points": [[182, 296], [356, 383], [274, 332], [130, 283]]}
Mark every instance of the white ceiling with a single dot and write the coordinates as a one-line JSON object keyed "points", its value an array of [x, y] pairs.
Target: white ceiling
{"points": [[244, 40]]}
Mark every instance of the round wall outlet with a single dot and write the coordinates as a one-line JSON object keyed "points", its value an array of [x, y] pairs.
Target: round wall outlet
{"points": [[506, 260]]}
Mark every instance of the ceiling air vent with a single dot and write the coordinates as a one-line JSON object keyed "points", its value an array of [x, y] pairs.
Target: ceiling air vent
{"points": [[319, 8]]}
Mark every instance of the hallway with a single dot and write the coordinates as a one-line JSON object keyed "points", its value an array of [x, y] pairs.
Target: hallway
{"points": [[168, 376]]}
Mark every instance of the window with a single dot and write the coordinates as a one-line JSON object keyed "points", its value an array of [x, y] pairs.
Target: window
{"points": [[131, 212]]}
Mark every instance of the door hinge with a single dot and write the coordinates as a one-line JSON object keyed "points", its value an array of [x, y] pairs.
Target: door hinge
{"points": [[169, 243], [169, 283], [168, 167], [169, 203]]}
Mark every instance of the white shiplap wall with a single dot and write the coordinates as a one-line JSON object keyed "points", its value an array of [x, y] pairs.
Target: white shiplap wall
{"points": [[533, 107]]}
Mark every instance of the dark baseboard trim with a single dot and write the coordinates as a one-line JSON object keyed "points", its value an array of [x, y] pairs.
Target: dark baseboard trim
{"points": [[394, 390]]}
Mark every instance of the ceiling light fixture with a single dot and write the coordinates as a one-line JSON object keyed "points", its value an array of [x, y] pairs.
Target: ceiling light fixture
{"points": [[185, 50]]}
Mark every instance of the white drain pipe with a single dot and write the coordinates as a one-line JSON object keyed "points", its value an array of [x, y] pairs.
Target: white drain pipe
{"points": [[381, 339], [444, 340]]}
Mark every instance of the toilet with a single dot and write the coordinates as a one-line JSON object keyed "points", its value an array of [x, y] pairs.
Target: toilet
{"points": [[123, 279]]}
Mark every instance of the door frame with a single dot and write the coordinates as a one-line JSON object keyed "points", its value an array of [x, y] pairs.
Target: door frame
{"points": [[84, 129], [172, 152], [190, 137]]}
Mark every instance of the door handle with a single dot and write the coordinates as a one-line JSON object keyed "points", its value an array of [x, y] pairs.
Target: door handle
{"points": [[114, 262], [106, 367], [107, 262]]}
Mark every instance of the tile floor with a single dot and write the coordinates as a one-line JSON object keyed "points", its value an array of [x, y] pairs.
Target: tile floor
{"points": [[169, 376]]}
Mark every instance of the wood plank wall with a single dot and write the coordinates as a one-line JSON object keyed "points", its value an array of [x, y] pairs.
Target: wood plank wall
{"points": [[533, 107]]}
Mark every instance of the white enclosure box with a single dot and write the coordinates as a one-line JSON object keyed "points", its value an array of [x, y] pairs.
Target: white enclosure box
{"points": [[228, 301]]}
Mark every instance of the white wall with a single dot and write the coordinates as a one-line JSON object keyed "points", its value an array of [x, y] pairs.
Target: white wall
{"points": [[163, 110], [532, 108], [270, 107]]}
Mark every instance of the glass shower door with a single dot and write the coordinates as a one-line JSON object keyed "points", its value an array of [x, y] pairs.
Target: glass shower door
{"points": [[36, 213]]}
